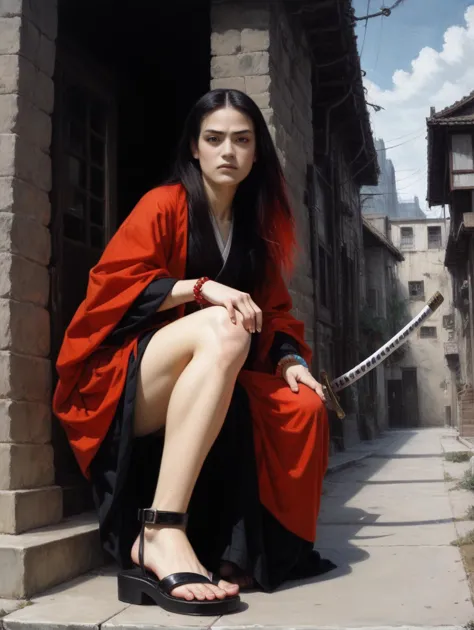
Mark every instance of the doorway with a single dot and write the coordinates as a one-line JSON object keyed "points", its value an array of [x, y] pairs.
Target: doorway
{"points": [[127, 72], [410, 397], [395, 403]]}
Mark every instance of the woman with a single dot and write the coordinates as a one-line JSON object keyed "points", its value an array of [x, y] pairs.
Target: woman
{"points": [[186, 325]]}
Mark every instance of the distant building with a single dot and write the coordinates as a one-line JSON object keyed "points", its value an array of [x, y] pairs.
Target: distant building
{"points": [[383, 198], [382, 260], [420, 388], [451, 182]]}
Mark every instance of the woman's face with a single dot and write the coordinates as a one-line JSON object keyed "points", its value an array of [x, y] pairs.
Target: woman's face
{"points": [[226, 147]]}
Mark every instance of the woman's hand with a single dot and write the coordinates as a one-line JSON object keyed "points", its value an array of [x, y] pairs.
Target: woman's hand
{"points": [[295, 373], [233, 300]]}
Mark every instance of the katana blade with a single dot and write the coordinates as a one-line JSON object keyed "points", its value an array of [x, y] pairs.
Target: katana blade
{"points": [[375, 359]]}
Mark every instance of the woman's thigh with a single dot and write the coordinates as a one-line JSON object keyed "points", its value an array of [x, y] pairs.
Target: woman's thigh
{"points": [[167, 354]]}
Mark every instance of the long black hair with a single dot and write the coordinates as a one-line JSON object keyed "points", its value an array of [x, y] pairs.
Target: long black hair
{"points": [[260, 200]]}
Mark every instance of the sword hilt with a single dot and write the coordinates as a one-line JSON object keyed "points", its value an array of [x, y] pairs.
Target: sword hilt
{"points": [[334, 401]]}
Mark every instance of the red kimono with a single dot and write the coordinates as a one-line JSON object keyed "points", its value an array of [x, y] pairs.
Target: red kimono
{"points": [[290, 430]]}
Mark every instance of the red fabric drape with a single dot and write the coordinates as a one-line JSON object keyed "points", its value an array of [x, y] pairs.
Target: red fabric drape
{"points": [[290, 430]]}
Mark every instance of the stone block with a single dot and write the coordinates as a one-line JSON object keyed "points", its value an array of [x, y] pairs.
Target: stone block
{"points": [[46, 56], [43, 92], [9, 73], [262, 100], [25, 378], [268, 115], [19, 197], [257, 84], [33, 165], [23, 280], [24, 328], [38, 560], [234, 15], [7, 153], [24, 236], [254, 40], [226, 43], [10, 41], [25, 422], [232, 83], [26, 466], [10, 8], [22, 159], [239, 65], [44, 14], [24, 510]]}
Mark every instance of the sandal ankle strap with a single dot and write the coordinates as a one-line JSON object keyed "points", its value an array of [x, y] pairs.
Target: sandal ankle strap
{"points": [[150, 516]]}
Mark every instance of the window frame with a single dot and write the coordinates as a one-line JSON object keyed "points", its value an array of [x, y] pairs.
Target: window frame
{"points": [[451, 162], [434, 328], [411, 243], [439, 232], [418, 296]]}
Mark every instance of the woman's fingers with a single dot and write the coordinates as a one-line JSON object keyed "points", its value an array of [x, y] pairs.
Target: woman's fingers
{"points": [[292, 382], [307, 379], [231, 310], [247, 313], [258, 315]]}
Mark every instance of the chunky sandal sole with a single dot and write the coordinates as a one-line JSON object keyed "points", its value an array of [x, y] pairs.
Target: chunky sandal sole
{"points": [[136, 588]]}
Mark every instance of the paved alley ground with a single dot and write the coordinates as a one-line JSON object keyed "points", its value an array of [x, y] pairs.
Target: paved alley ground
{"points": [[387, 521]]}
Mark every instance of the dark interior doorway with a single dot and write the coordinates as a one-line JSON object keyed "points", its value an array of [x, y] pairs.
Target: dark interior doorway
{"points": [[127, 73]]}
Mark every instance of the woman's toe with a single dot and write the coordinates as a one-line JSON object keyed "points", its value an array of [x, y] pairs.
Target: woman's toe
{"points": [[230, 589]]}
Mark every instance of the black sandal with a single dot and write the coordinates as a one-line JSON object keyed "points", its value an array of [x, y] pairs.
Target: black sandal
{"points": [[139, 586]]}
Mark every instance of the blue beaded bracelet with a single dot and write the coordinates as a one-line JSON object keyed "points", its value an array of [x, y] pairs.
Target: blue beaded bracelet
{"points": [[289, 358]]}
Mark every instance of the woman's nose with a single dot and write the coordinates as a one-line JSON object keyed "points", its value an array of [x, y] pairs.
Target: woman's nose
{"points": [[228, 148]]}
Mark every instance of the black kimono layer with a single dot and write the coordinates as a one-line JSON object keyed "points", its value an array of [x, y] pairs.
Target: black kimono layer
{"points": [[227, 521]]}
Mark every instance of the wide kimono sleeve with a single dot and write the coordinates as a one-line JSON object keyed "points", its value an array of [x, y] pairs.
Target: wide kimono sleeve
{"points": [[91, 377], [275, 301]]}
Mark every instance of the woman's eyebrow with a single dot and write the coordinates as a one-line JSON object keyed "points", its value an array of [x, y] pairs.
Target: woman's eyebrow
{"points": [[222, 132]]}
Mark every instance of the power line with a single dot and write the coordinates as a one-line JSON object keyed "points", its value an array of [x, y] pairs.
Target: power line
{"points": [[365, 30]]}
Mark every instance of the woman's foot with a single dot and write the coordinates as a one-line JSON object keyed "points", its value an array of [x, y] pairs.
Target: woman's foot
{"points": [[167, 550], [235, 575]]}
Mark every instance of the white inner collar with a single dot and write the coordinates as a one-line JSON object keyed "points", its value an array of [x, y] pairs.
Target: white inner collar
{"points": [[224, 248]]}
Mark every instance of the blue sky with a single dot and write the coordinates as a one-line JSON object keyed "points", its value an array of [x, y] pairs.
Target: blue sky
{"points": [[392, 43], [421, 55]]}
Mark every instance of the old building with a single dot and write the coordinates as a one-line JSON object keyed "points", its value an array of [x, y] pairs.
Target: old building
{"points": [[451, 183], [419, 384], [93, 94], [380, 319]]}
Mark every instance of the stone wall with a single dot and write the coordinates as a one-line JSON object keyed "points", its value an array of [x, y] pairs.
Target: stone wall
{"points": [[27, 55], [260, 50]]}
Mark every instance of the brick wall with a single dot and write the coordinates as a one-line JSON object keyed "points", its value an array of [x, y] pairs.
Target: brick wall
{"points": [[259, 49], [27, 55]]}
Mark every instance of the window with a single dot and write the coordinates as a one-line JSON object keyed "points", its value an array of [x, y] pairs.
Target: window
{"points": [[428, 332], [434, 237], [416, 290], [407, 240], [84, 119], [448, 322], [462, 161]]}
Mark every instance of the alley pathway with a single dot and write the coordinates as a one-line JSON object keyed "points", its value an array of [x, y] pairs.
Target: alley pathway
{"points": [[386, 521]]}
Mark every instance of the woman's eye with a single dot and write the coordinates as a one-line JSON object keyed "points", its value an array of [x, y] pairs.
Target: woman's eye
{"points": [[243, 140], [212, 139]]}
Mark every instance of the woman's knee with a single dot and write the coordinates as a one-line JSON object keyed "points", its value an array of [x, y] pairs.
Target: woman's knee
{"points": [[229, 343]]}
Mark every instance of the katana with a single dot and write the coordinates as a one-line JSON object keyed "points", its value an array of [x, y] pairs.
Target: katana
{"points": [[375, 359]]}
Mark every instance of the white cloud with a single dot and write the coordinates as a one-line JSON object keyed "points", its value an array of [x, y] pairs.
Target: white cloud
{"points": [[436, 78]]}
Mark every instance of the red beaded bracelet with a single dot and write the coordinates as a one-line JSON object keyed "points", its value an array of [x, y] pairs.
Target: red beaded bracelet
{"points": [[198, 291]]}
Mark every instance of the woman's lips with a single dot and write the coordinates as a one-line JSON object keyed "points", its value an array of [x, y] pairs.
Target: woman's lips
{"points": [[228, 166]]}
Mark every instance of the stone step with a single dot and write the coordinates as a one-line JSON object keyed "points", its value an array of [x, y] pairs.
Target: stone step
{"points": [[37, 560]]}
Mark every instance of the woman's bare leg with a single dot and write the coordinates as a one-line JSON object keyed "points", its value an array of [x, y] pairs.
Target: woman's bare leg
{"points": [[186, 379]]}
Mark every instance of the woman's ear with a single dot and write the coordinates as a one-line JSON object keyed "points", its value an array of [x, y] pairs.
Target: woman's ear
{"points": [[194, 150]]}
